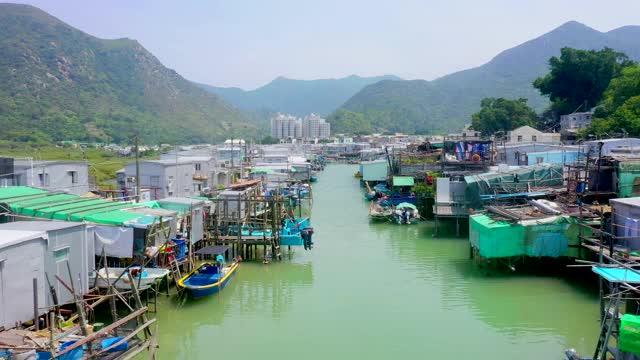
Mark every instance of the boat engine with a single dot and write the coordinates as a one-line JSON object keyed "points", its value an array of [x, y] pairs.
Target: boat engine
{"points": [[306, 234]]}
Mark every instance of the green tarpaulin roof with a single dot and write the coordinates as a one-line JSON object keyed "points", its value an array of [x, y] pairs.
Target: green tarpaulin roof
{"points": [[116, 217], [15, 191], [262, 171], [199, 198], [403, 181], [39, 203]]}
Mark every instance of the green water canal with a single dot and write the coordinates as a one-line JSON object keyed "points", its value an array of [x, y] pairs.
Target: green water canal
{"points": [[379, 291]]}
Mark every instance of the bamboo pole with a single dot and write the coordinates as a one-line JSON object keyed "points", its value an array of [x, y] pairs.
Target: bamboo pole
{"points": [[136, 296], [126, 338], [102, 332]]}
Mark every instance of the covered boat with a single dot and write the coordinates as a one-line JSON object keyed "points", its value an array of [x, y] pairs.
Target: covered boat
{"points": [[406, 213], [143, 278], [210, 277]]}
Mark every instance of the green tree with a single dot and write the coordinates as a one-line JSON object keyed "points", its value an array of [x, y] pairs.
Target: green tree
{"points": [[622, 88], [267, 140], [625, 120], [619, 112], [350, 122], [500, 114], [578, 79]]}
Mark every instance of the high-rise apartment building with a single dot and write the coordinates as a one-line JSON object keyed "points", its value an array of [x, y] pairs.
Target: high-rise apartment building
{"points": [[315, 127]]}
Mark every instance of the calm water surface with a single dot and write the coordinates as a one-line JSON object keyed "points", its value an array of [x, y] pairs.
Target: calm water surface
{"points": [[379, 291]]}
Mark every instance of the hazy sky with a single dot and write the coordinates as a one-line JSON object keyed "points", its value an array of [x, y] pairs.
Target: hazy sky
{"points": [[248, 43]]}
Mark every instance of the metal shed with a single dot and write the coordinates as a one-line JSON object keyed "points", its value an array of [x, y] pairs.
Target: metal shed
{"points": [[22, 254], [377, 170], [626, 221], [63, 241], [192, 206]]}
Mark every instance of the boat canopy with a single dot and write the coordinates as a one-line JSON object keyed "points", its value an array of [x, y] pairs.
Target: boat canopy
{"points": [[212, 250], [406, 205]]}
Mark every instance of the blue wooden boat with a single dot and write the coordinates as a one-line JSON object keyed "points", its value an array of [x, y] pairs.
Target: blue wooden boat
{"points": [[297, 233], [207, 279]]}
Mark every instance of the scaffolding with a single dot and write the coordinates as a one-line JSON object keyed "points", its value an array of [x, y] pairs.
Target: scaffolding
{"points": [[247, 218]]}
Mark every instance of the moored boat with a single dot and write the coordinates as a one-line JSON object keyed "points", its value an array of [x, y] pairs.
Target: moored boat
{"points": [[207, 279], [143, 278], [378, 212], [406, 213]]}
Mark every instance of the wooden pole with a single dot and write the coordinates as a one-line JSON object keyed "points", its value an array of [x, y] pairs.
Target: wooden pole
{"points": [[136, 296], [36, 322], [112, 299], [138, 169], [52, 328]]}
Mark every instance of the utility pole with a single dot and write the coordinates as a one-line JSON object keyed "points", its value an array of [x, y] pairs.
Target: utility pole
{"points": [[137, 169]]}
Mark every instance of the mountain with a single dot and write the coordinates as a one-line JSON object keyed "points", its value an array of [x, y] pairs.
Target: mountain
{"points": [[58, 83], [298, 97], [447, 103]]}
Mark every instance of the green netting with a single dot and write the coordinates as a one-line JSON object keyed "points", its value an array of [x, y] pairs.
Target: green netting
{"points": [[117, 217], [628, 179], [262, 171], [629, 339], [15, 191], [512, 181], [495, 239]]}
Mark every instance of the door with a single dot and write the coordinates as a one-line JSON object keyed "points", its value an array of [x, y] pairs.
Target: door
{"points": [[61, 256]]}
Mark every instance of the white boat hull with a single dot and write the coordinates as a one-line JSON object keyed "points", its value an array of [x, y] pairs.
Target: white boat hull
{"points": [[151, 275]]}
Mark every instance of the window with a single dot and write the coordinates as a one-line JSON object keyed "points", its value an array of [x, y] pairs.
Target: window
{"points": [[74, 176], [154, 181], [534, 138], [198, 167], [519, 138], [539, 160], [43, 179], [61, 254], [197, 187]]}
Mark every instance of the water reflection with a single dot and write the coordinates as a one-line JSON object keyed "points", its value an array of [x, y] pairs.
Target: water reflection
{"points": [[540, 308]]}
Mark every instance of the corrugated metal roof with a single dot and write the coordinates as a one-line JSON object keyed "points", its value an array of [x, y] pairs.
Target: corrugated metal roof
{"points": [[634, 201], [39, 226], [12, 237]]}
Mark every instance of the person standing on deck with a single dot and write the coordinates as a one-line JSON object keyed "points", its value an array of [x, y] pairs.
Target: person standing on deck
{"points": [[220, 261]]}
